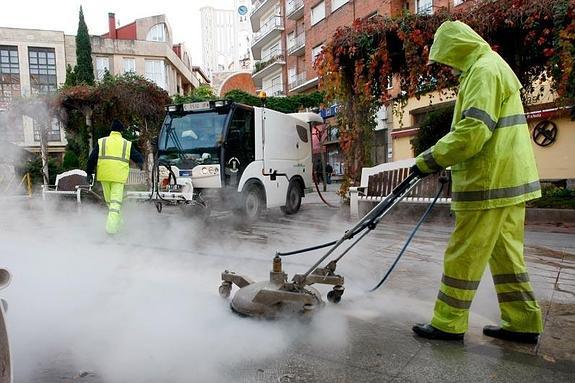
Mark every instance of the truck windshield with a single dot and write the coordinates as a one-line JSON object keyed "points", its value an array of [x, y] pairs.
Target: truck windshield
{"points": [[189, 136]]}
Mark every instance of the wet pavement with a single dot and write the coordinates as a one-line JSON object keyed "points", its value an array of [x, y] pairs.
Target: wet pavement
{"points": [[144, 307]]}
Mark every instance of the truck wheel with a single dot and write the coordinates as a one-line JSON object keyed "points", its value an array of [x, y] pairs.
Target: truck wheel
{"points": [[293, 198], [252, 202]]}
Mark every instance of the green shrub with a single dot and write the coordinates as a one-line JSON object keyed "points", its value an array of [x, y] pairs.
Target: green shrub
{"points": [[555, 197], [436, 125], [34, 167]]}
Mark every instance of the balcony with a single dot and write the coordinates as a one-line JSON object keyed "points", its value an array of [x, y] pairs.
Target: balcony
{"points": [[300, 83], [275, 90], [296, 46], [269, 32], [294, 9], [268, 65], [260, 7]]}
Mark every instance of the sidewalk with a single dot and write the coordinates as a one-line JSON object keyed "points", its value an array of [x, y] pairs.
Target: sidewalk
{"points": [[330, 195]]}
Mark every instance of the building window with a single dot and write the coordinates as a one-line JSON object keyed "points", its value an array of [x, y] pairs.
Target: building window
{"points": [[9, 75], [129, 64], [42, 70], [372, 15], [335, 4], [425, 7], [102, 65], [318, 13], [157, 33], [11, 129], [156, 72], [315, 52], [53, 131]]}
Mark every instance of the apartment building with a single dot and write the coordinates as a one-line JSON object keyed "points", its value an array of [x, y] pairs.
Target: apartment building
{"points": [[288, 36], [145, 47], [226, 38], [34, 62]]}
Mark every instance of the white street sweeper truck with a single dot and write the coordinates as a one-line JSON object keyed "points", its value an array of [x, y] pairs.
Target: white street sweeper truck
{"points": [[225, 155]]}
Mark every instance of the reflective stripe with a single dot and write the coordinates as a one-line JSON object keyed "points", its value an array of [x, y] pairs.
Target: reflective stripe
{"points": [[459, 283], [511, 121], [114, 211], [124, 149], [516, 296], [114, 158], [430, 161], [103, 147], [510, 278], [483, 195], [481, 116], [453, 302]]}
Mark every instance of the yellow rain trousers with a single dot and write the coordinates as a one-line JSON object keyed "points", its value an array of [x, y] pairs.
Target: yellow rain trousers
{"points": [[493, 173], [113, 195], [501, 245]]}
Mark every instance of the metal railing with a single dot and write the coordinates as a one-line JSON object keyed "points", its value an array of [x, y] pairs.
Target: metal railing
{"points": [[297, 80], [274, 22], [276, 55], [296, 43], [137, 177], [275, 90], [293, 5], [257, 5]]}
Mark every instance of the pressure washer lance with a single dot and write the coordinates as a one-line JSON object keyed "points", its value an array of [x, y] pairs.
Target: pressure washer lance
{"points": [[278, 296]]}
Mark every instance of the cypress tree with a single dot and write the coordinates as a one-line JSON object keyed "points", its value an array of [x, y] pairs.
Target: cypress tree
{"points": [[70, 76], [84, 69]]}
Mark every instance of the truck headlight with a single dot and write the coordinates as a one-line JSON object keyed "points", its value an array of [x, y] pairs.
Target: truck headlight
{"points": [[204, 170]]}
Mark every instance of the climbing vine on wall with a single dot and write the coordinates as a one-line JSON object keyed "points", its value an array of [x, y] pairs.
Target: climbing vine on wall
{"points": [[536, 38]]}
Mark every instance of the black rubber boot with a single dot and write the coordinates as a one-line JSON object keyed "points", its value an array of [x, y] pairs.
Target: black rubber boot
{"points": [[520, 337], [430, 332]]}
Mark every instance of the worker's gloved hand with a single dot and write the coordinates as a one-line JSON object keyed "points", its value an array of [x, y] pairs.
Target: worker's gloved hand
{"points": [[89, 179], [415, 170]]}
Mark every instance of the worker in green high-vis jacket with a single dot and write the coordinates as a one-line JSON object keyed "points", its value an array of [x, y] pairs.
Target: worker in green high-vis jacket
{"points": [[493, 174], [111, 159]]}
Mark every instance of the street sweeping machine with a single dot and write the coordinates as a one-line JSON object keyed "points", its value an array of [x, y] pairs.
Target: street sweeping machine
{"points": [[229, 156], [278, 297]]}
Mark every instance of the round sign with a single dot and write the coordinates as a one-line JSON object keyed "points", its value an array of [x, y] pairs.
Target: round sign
{"points": [[242, 10], [545, 133]]}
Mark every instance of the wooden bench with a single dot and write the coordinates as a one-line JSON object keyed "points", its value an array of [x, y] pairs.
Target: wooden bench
{"points": [[69, 183], [378, 182]]}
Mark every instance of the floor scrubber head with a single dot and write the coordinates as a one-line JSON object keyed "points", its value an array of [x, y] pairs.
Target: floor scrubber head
{"points": [[272, 299]]}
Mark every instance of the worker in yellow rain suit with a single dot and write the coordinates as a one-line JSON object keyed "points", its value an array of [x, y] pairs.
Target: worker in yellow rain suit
{"points": [[112, 155], [494, 174]]}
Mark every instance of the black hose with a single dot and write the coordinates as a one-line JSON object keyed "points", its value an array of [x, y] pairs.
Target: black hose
{"points": [[306, 249], [431, 205], [314, 177]]}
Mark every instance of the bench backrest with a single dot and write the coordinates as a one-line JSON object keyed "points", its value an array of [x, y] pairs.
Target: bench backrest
{"points": [[68, 181], [381, 184]]}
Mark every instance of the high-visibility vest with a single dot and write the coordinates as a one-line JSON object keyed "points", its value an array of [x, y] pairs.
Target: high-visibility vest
{"points": [[113, 158], [489, 146]]}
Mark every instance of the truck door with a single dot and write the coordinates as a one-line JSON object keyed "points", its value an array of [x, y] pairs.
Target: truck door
{"points": [[239, 147]]}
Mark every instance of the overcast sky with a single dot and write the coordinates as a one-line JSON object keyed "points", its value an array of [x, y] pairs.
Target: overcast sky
{"points": [[62, 15]]}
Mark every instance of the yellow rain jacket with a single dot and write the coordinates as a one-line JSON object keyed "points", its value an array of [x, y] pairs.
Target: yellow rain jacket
{"points": [[489, 148], [113, 158]]}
